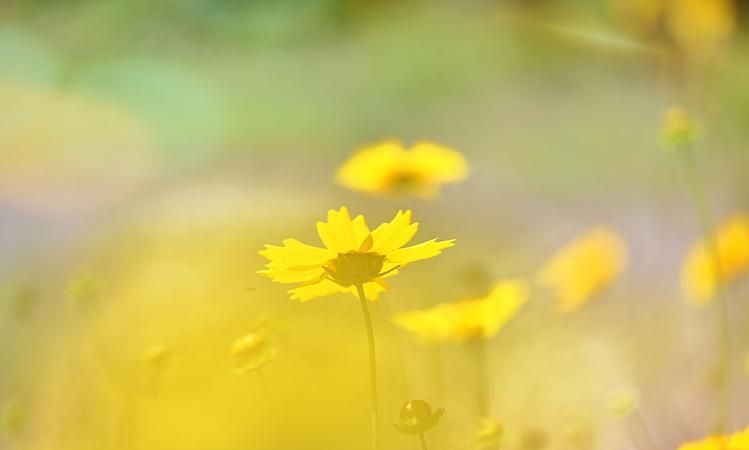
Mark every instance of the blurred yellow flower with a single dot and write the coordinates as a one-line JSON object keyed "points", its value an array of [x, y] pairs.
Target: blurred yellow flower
{"points": [[584, 267], [624, 402], [252, 352], [489, 433], [156, 357], [389, 168], [736, 441], [679, 129], [353, 256], [701, 27], [467, 319], [698, 275], [698, 28], [417, 417]]}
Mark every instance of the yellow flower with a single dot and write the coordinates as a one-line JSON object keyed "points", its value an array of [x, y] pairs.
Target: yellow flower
{"points": [[697, 28], [353, 256], [699, 269], [624, 402], [584, 267], [679, 129], [736, 441], [416, 417], [389, 168], [701, 27], [252, 352], [156, 357], [467, 319]]}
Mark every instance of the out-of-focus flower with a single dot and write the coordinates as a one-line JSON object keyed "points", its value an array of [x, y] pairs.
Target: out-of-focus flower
{"points": [[700, 27], [679, 129], [389, 168], [476, 318], [417, 417], [736, 441], [11, 419], [584, 267], [353, 256], [698, 275], [624, 402], [83, 287], [697, 28], [534, 439], [489, 433], [156, 357], [252, 352]]}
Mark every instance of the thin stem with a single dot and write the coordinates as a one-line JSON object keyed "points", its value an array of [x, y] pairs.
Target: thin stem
{"points": [[423, 441], [645, 430], [702, 208], [372, 368], [482, 376]]}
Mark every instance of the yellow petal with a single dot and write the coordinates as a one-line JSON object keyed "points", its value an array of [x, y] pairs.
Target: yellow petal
{"points": [[438, 164], [295, 254], [370, 167], [393, 235], [342, 234], [319, 289], [418, 252]]}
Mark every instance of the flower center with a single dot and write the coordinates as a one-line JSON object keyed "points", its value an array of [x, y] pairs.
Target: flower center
{"points": [[404, 180], [355, 268]]}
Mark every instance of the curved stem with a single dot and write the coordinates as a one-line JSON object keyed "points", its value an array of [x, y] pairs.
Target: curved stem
{"points": [[423, 441], [372, 368], [702, 208]]}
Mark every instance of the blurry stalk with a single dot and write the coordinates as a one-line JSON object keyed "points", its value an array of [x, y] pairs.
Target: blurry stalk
{"points": [[482, 377], [374, 403], [702, 209], [124, 422], [643, 430], [423, 441]]}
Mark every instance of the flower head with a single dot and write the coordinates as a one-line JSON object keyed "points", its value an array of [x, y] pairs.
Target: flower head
{"points": [[489, 433], [584, 267], [416, 417], [389, 168], [156, 356], [353, 255], [624, 402], [467, 319], [698, 274], [679, 129], [252, 352], [736, 441]]}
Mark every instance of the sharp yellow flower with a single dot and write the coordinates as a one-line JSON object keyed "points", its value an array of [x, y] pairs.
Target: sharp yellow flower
{"points": [[389, 168], [584, 267], [353, 255], [479, 318], [736, 441], [699, 271]]}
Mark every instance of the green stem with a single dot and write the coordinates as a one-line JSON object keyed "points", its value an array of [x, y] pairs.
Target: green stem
{"points": [[702, 208], [372, 368], [423, 441]]}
